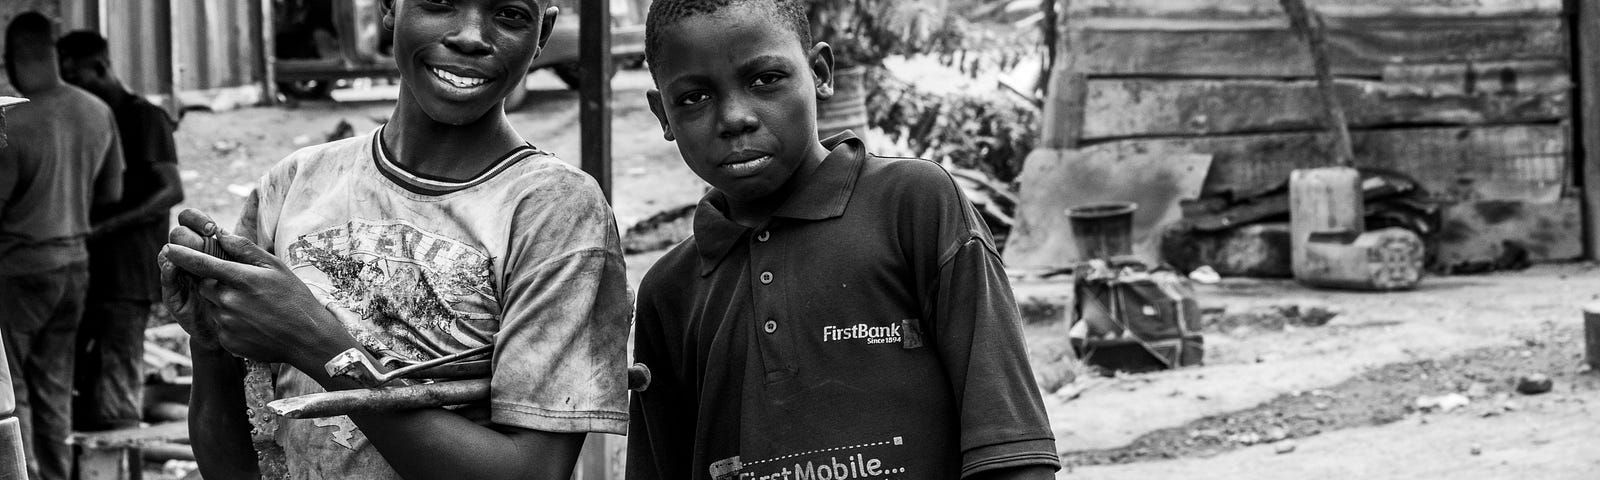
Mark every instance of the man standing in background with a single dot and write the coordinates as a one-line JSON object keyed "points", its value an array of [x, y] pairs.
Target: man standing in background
{"points": [[63, 158], [123, 280]]}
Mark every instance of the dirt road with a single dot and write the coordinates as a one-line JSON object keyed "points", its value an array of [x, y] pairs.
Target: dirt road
{"points": [[1342, 398]]}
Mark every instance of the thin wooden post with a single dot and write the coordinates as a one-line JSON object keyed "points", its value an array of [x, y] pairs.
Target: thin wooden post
{"points": [[594, 92], [1586, 121], [1310, 28], [1068, 88]]}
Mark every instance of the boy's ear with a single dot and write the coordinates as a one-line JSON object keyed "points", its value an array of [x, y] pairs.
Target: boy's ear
{"points": [[547, 25], [822, 69], [387, 8], [653, 97]]}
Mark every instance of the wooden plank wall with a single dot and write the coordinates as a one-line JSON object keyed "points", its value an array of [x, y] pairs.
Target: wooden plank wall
{"points": [[1473, 98]]}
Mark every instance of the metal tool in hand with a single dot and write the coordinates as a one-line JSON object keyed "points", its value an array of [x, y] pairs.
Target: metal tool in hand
{"points": [[355, 364]]}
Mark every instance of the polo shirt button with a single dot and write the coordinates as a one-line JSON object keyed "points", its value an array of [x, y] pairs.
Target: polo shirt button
{"points": [[766, 278], [771, 326], [763, 236]]}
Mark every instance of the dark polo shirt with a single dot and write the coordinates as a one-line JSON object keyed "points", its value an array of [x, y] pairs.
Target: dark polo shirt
{"points": [[867, 331]]}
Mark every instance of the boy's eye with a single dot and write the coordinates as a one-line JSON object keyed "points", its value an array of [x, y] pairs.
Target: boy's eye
{"points": [[765, 79], [693, 98], [515, 15]]}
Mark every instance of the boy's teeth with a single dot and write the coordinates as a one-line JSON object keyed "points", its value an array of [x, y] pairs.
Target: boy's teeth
{"points": [[457, 80]]}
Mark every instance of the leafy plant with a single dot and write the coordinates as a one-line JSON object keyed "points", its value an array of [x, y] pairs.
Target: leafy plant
{"points": [[989, 133]]}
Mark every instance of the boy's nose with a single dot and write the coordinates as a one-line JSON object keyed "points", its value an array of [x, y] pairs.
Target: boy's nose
{"points": [[737, 119], [469, 39]]}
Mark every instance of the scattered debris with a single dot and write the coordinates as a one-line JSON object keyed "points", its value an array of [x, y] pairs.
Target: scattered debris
{"points": [[1476, 450], [1477, 390], [1534, 384], [241, 189], [1205, 275], [1442, 403], [664, 229], [1271, 318], [189, 175], [341, 131], [225, 147], [1284, 447], [301, 140]]}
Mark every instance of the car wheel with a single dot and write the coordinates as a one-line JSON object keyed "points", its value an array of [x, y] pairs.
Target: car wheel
{"points": [[306, 89], [568, 73]]}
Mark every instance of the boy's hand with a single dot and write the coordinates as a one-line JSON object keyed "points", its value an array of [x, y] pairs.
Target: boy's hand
{"points": [[178, 286], [261, 310]]}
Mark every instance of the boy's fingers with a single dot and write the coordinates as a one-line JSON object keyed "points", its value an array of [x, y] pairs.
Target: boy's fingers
{"points": [[186, 237], [243, 250], [169, 272], [201, 265], [197, 221]]}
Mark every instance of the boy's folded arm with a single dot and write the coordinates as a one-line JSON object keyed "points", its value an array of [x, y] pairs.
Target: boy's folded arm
{"points": [[439, 444]]}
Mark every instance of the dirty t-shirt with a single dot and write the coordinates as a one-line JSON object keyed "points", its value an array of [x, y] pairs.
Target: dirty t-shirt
{"points": [[524, 256], [867, 331]]}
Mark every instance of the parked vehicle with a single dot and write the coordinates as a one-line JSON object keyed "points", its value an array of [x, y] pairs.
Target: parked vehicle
{"points": [[318, 43]]}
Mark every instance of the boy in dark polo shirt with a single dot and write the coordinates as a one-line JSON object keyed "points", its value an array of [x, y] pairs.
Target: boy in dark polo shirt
{"points": [[836, 315]]}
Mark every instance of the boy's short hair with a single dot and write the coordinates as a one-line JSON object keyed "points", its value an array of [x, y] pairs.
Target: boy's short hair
{"points": [[81, 44], [666, 12], [29, 32]]}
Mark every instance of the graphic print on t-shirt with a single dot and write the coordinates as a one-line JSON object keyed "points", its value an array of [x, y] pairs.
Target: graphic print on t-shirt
{"points": [[848, 462], [409, 289]]}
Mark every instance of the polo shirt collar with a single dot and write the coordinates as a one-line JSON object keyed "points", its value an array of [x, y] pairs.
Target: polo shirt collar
{"points": [[824, 195]]}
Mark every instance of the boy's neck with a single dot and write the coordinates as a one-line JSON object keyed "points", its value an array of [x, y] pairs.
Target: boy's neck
{"points": [[442, 150], [754, 213]]}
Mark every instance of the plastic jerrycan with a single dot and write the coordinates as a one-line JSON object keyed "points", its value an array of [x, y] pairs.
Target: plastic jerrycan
{"points": [[1329, 244], [13, 465]]}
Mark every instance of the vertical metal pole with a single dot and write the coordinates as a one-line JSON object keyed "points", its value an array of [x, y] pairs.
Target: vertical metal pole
{"points": [[594, 93], [1585, 28], [264, 53], [174, 62], [594, 119]]}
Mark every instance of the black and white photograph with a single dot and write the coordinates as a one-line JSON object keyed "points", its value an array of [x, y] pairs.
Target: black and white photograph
{"points": [[800, 239]]}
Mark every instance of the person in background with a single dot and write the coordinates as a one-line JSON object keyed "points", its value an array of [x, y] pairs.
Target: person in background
{"points": [[125, 236], [63, 158]]}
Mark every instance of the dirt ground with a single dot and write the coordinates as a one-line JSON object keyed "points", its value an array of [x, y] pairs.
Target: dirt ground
{"points": [[1277, 398]]}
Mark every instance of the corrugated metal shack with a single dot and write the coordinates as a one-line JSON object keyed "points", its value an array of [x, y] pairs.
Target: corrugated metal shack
{"points": [[1472, 98], [207, 52]]}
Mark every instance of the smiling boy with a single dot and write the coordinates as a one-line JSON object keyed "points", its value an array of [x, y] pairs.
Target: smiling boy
{"points": [[440, 232], [836, 314]]}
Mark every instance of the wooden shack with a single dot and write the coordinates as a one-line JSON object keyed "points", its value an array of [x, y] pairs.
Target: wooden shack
{"points": [[1472, 98]]}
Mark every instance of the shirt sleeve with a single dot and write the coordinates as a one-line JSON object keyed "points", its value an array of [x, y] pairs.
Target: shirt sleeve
{"points": [[660, 434], [157, 142], [560, 361], [108, 178], [978, 335]]}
